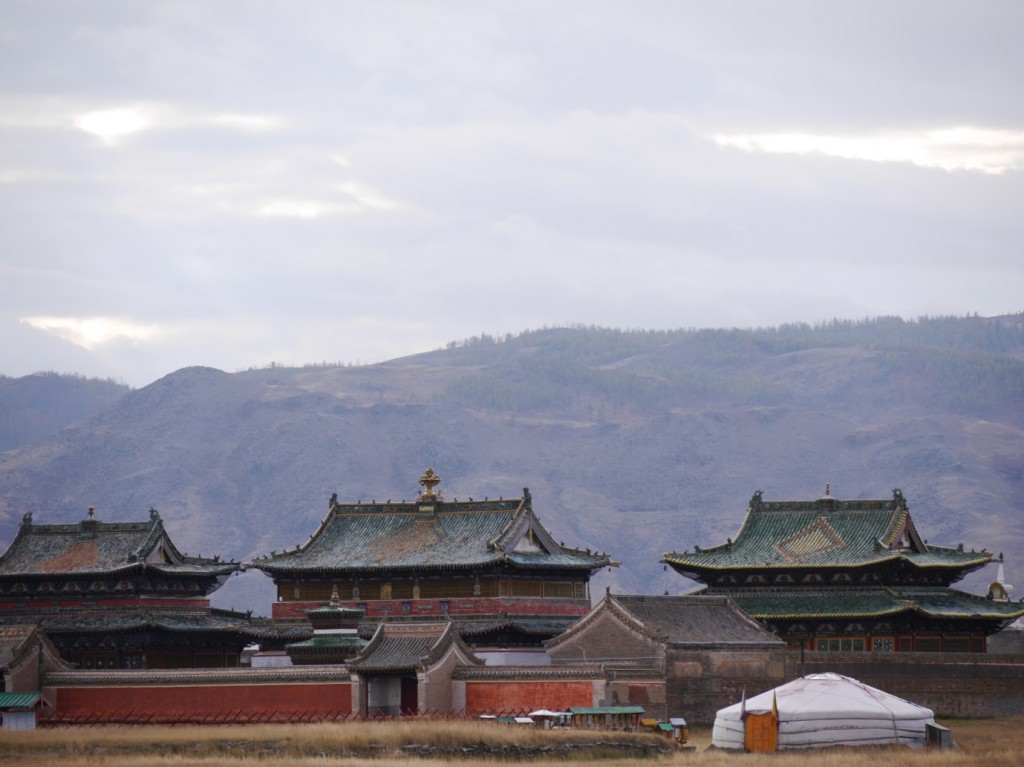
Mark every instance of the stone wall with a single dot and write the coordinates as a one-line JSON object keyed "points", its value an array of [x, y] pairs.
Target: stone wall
{"points": [[649, 693], [699, 682], [951, 684]]}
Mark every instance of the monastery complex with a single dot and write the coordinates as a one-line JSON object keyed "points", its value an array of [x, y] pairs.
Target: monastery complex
{"points": [[441, 605]]}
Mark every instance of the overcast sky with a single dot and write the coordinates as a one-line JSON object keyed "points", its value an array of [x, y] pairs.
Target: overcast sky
{"points": [[235, 183]]}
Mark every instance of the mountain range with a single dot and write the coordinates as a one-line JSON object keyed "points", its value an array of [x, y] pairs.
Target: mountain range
{"points": [[633, 443]]}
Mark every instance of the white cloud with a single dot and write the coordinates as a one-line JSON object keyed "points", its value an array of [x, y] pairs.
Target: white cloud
{"points": [[983, 150], [295, 208], [112, 124], [115, 123], [256, 123], [91, 332]]}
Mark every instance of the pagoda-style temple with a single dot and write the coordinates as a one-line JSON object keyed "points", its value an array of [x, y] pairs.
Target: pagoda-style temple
{"points": [[121, 595], [335, 636], [488, 565], [849, 575]]}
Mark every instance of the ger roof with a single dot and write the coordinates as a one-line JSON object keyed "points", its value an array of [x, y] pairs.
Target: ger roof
{"points": [[95, 548], [429, 533], [826, 532]]}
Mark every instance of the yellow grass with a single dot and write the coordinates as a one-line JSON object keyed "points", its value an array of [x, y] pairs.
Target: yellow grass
{"points": [[982, 743]]}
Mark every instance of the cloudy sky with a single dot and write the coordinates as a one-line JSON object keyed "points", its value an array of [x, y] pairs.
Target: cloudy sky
{"points": [[234, 183]]}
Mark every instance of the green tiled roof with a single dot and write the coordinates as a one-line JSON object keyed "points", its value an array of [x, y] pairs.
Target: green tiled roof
{"points": [[549, 626], [97, 548], [801, 603], [326, 643], [824, 533], [184, 620], [606, 709], [950, 603], [18, 700], [397, 648], [442, 535]]}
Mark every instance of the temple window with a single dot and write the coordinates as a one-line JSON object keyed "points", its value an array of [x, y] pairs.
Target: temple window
{"points": [[840, 644], [526, 588], [558, 590]]}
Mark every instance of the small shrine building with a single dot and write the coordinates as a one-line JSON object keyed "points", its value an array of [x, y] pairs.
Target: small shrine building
{"points": [[833, 575], [489, 566]]}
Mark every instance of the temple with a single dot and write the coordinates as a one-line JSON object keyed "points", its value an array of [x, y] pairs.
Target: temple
{"points": [[487, 565], [112, 595], [836, 575]]}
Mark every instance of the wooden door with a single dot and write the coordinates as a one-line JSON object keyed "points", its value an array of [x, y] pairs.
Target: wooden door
{"points": [[762, 733], [410, 695]]}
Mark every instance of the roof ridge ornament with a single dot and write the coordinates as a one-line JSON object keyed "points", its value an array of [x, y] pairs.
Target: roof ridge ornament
{"points": [[429, 480]]}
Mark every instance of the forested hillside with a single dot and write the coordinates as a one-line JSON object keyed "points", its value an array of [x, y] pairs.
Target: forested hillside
{"points": [[35, 406], [631, 442]]}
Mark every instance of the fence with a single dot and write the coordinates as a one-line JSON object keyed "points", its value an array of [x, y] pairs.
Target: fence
{"points": [[239, 717]]}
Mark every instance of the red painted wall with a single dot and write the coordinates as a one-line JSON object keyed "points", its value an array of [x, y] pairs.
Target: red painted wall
{"points": [[494, 697], [202, 700]]}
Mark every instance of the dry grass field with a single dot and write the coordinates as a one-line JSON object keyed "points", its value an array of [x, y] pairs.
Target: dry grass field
{"points": [[982, 743]]}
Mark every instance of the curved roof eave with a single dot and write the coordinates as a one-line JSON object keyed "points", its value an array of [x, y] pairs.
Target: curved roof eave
{"points": [[891, 556], [274, 568], [825, 615]]}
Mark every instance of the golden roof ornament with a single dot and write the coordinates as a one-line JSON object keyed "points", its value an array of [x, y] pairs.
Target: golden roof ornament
{"points": [[429, 480]]}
